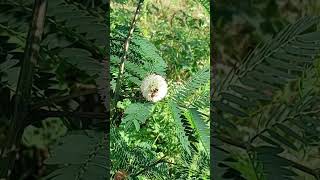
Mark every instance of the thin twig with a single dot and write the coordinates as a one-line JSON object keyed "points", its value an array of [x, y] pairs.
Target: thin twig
{"points": [[125, 53]]}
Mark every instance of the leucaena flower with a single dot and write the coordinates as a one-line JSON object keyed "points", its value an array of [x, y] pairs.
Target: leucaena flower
{"points": [[154, 88]]}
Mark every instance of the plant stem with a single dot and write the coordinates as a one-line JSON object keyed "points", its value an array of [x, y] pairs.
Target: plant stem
{"points": [[23, 92], [253, 165], [125, 53], [156, 140]]}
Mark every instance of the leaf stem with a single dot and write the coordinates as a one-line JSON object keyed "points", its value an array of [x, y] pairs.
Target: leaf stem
{"points": [[125, 53]]}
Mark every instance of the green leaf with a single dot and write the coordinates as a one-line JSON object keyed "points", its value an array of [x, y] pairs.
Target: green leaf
{"points": [[180, 128], [136, 113], [73, 148], [202, 129]]}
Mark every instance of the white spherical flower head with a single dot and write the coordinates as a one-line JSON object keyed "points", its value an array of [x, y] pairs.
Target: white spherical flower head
{"points": [[154, 88]]}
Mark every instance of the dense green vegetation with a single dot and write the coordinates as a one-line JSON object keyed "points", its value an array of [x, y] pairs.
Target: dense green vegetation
{"points": [[59, 128], [167, 139]]}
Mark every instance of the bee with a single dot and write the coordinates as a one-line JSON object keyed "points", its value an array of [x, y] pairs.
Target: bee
{"points": [[154, 92]]}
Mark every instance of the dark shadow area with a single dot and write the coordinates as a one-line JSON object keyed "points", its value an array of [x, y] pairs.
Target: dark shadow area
{"points": [[54, 116], [265, 90]]}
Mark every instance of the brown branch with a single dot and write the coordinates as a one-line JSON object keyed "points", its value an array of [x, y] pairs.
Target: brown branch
{"points": [[125, 53], [23, 92]]}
